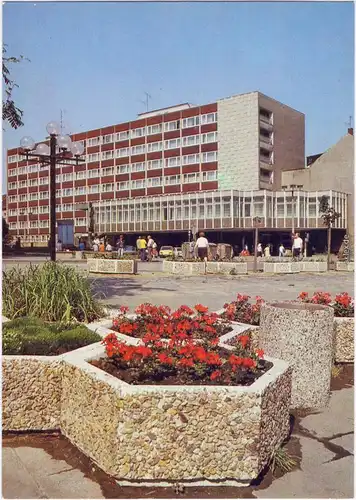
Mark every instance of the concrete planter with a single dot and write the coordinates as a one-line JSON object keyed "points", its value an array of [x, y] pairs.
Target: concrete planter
{"points": [[65, 255], [302, 335], [313, 266], [345, 266], [112, 266], [164, 434], [344, 329], [282, 267], [193, 268]]}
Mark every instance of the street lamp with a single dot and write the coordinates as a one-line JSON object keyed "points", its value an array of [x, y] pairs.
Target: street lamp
{"points": [[257, 222], [61, 151]]}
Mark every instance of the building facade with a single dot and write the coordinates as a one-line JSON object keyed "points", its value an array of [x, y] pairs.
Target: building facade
{"points": [[212, 167]]}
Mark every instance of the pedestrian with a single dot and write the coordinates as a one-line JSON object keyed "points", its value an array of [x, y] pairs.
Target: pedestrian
{"points": [[141, 247], [120, 246], [267, 251], [81, 245], [191, 250], [108, 247], [154, 250], [95, 246], [297, 246], [102, 247], [259, 250], [281, 250], [202, 246], [59, 246], [149, 247]]}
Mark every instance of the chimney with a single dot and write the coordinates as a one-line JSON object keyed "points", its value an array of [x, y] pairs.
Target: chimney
{"points": [[350, 131]]}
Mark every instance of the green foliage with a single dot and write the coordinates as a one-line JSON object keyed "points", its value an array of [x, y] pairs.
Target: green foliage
{"points": [[51, 292], [26, 336], [282, 460], [327, 212]]}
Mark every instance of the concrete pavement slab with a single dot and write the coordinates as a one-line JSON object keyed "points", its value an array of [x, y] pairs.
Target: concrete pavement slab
{"points": [[314, 454], [346, 442], [17, 482]]}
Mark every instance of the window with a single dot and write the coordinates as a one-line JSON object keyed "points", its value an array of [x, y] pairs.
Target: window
{"points": [[138, 132], [154, 129], [138, 167], [209, 118], [93, 157], [44, 195], [32, 168], [266, 115], [121, 186], [137, 150], [210, 156], [209, 137], [191, 159], [22, 184], [33, 224], [173, 162], [138, 183], [154, 146], [172, 179], [191, 140], [107, 155], [32, 182], [107, 139], [154, 181], [123, 136], [94, 188], [191, 122], [94, 141], [44, 223], [67, 207], [108, 171], [43, 181], [153, 164], [13, 225], [123, 169], [12, 185], [93, 173], [188, 178], [81, 175], [23, 197], [13, 212], [13, 199], [107, 188], [209, 176], [12, 159], [81, 221], [172, 144], [67, 192], [80, 190], [44, 209], [170, 126], [33, 196], [21, 170], [67, 177], [122, 152]]}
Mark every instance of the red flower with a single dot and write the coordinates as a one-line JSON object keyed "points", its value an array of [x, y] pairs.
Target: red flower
{"points": [[212, 358], [244, 340], [165, 359], [260, 353], [215, 374], [303, 296], [186, 362], [124, 309], [201, 309], [235, 360], [200, 353], [143, 351]]}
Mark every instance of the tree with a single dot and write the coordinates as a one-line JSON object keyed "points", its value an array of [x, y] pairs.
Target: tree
{"points": [[329, 216], [10, 112]]}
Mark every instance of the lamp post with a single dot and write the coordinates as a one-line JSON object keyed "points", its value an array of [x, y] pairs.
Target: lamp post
{"points": [[61, 151], [292, 188], [257, 221]]}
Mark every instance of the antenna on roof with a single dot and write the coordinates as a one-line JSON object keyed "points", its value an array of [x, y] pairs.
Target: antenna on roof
{"points": [[148, 97], [349, 123], [61, 122]]}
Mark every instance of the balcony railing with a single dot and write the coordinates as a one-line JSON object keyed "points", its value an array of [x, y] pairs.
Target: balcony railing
{"points": [[266, 143]]}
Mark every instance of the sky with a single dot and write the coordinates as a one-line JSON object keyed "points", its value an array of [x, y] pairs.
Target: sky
{"points": [[95, 61]]}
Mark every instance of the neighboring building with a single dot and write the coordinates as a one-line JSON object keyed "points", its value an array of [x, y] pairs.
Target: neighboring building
{"points": [[333, 170], [212, 167], [4, 207]]}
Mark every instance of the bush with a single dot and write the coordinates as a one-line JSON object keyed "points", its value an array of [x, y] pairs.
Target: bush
{"points": [[51, 292], [33, 336]]}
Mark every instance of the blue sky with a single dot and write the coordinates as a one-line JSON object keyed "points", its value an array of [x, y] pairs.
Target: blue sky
{"points": [[95, 60]]}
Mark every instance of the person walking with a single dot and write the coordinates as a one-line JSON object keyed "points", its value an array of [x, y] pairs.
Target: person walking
{"points": [[149, 247], [202, 246], [281, 250], [297, 246], [102, 247], [59, 246], [267, 251], [95, 246], [81, 246], [141, 246], [259, 250], [154, 250], [120, 246], [108, 247]]}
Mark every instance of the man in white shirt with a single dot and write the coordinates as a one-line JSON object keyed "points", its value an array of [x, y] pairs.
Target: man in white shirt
{"points": [[202, 245], [297, 245], [149, 247]]}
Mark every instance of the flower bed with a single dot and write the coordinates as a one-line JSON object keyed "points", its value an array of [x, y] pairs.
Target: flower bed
{"points": [[112, 266], [159, 434], [345, 266]]}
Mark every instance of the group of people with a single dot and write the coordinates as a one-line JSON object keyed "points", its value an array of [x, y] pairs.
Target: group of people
{"points": [[147, 248], [297, 248]]}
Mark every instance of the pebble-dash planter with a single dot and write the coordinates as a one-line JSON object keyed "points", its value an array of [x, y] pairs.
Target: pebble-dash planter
{"points": [[302, 335], [344, 331], [194, 268], [112, 266], [345, 266]]}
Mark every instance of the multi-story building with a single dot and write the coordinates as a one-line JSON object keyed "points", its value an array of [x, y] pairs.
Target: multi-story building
{"points": [[212, 167], [4, 206]]}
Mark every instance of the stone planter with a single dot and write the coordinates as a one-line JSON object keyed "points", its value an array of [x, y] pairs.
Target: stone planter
{"points": [[302, 335], [163, 434], [313, 266], [344, 340], [345, 266], [198, 268], [112, 266], [282, 267]]}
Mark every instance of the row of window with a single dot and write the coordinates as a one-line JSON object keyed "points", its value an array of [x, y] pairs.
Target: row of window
{"points": [[193, 121]]}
